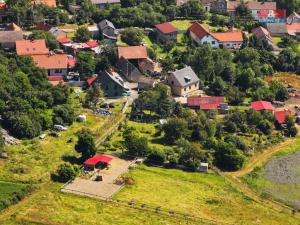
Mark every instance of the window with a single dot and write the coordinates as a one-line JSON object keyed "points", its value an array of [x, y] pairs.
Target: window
{"points": [[213, 42], [195, 85], [184, 89], [58, 71], [172, 82], [190, 87], [227, 44]]}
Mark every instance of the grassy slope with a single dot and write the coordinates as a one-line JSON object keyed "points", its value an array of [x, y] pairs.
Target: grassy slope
{"points": [[265, 187], [204, 195], [6, 189]]}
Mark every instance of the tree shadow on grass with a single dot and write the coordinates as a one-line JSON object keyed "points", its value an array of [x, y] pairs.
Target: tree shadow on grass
{"points": [[160, 141], [72, 159]]}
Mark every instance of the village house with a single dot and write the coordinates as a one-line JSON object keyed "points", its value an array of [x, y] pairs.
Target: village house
{"points": [[225, 6], [49, 3], [55, 64], [31, 47], [107, 31], [100, 4], [262, 34], [280, 116], [293, 18], [208, 103], [134, 53], [293, 29], [166, 31], [94, 30], [183, 82], [9, 35], [111, 83], [128, 70], [200, 35], [277, 29], [262, 105]]}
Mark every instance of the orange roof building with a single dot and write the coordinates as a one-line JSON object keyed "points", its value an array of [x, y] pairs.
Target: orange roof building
{"points": [[31, 47], [55, 64], [133, 52], [49, 3], [201, 35]]}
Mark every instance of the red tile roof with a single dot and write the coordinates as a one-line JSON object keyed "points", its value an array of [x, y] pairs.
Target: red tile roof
{"points": [[280, 115], [58, 61], [72, 63], [91, 80], [31, 47], [97, 159], [199, 30], [166, 28], [55, 78], [293, 29], [209, 106], [233, 36], [262, 105], [92, 43], [49, 3], [64, 40], [205, 101], [133, 52]]}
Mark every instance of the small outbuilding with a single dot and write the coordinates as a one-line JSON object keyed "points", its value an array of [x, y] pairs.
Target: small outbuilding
{"points": [[262, 105], [203, 167], [97, 160]]}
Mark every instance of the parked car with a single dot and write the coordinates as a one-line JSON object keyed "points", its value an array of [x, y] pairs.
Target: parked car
{"points": [[59, 127], [42, 136]]}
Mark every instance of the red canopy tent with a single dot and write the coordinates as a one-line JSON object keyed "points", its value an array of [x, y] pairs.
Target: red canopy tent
{"points": [[99, 158]]}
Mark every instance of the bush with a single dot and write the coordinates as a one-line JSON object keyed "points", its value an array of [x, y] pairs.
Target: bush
{"points": [[156, 157], [66, 172]]}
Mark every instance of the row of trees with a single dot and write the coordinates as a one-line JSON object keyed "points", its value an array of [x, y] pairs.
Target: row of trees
{"points": [[28, 103]]}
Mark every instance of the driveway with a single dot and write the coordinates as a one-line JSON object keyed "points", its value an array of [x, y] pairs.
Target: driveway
{"points": [[100, 189]]}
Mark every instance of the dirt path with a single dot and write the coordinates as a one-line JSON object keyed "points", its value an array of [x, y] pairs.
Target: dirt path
{"points": [[261, 158]]}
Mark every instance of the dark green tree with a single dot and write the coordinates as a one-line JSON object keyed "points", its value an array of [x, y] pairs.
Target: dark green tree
{"points": [[85, 144]]}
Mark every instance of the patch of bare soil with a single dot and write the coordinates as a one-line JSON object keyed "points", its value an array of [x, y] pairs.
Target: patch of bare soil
{"points": [[284, 169]]}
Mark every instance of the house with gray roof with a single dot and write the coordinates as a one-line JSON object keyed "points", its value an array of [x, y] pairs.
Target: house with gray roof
{"points": [[128, 70], [8, 38], [107, 30], [111, 83], [277, 29], [183, 82], [100, 4], [293, 18]]}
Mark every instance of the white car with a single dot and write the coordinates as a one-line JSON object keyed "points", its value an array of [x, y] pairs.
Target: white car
{"points": [[42, 136], [59, 127]]}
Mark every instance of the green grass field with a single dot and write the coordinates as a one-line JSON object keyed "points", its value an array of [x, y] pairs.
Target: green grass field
{"points": [[11, 193]]}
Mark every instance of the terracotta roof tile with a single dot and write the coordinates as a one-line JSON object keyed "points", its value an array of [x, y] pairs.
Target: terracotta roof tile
{"points": [[166, 28], [31, 47], [280, 115], [233, 36], [199, 30], [262, 105], [49, 3], [58, 61], [133, 52]]}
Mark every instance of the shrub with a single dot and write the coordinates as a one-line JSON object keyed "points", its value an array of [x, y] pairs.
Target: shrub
{"points": [[156, 157], [66, 172]]}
